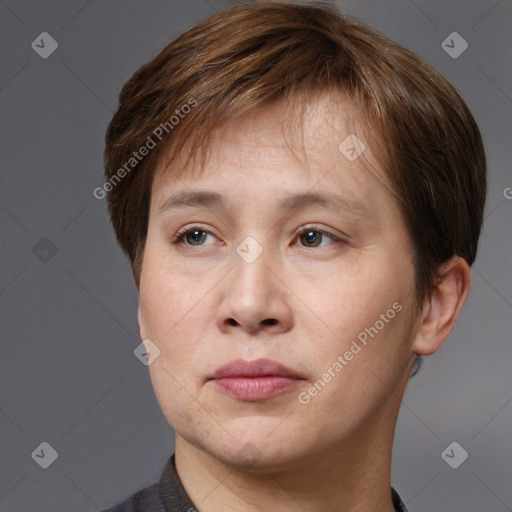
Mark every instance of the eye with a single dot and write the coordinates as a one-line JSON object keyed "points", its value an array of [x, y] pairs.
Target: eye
{"points": [[312, 236], [193, 236]]}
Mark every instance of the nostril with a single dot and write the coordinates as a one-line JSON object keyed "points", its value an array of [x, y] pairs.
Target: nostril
{"points": [[267, 321]]}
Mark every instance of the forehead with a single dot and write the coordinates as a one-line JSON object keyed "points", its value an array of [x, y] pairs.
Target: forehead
{"points": [[308, 139]]}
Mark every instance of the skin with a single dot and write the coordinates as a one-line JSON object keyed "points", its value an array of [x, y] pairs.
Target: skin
{"points": [[301, 302]]}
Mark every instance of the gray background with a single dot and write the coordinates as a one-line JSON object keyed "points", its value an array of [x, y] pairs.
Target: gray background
{"points": [[68, 318]]}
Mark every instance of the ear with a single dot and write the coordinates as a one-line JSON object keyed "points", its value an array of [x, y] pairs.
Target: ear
{"points": [[441, 311]]}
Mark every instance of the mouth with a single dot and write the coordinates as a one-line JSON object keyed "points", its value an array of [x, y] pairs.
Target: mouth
{"points": [[255, 380]]}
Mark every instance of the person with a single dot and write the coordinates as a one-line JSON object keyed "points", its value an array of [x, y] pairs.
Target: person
{"points": [[300, 199]]}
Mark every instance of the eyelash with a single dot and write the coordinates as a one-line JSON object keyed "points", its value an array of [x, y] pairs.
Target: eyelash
{"points": [[180, 235]]}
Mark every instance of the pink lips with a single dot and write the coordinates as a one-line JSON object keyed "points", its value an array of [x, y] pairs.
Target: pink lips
{"points": [[255, 380]]}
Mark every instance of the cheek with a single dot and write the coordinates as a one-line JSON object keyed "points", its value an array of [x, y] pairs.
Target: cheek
{"points": [[165, 301], [177, 395], [344, 304], [168, 316], [171, 316], [365, 319], [356, 379]]}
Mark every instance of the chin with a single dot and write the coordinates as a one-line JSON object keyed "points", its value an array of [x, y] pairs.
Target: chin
{"points": [[255, 447]]}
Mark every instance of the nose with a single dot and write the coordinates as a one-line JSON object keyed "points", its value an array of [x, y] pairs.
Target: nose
{"points": [[255, 297]]}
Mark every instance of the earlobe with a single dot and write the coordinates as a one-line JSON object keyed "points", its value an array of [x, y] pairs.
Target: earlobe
{"points": [[442, 310]]}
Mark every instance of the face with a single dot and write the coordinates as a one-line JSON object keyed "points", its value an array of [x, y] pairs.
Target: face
{"points": [[301, 261]]}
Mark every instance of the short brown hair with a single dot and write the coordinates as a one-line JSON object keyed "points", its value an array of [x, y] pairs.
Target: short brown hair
{"points": [[250, 55]]}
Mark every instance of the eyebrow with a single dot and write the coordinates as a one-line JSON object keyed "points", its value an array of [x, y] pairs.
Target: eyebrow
{"points": [[291, 203]]}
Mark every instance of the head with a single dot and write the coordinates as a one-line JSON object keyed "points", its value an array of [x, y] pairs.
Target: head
{"points": [[258, 104]]}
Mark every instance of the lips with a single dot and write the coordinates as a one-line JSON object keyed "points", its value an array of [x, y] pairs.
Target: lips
{"points": [[255, 380], [257, 368]]}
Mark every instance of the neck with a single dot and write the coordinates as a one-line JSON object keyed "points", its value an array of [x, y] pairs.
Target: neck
{"points": [[353, 477]]}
